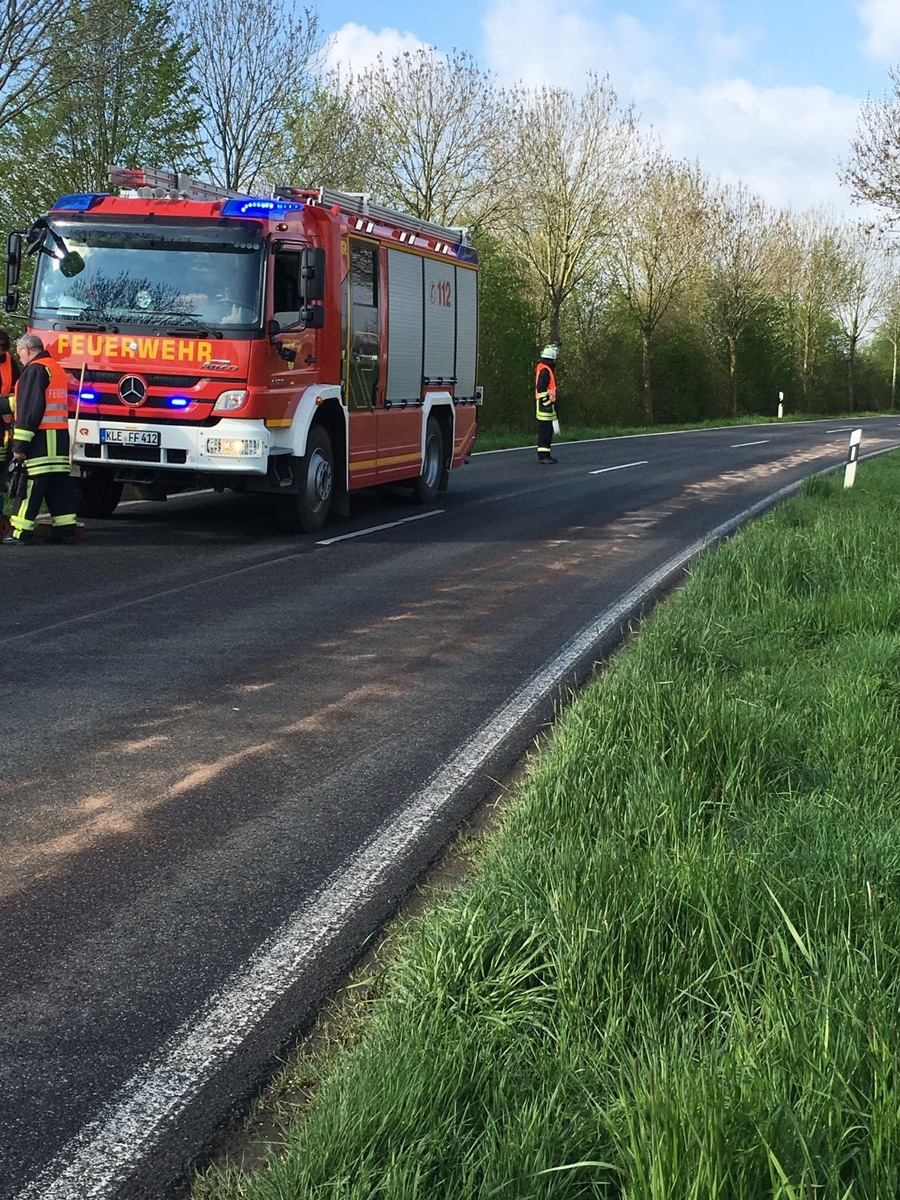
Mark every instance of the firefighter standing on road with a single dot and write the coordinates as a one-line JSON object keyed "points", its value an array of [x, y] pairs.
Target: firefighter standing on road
{"points": [[40, 439], [545, 400]]}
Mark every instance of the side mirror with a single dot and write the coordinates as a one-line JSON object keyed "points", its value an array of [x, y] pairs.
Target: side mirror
{"points": [[312, 274], [71, 264], [273, 327], [13, 266], [13, 258]]}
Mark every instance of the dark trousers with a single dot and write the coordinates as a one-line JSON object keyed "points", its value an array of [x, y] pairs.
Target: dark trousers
{"points": [[544, 436], [57, 488]]}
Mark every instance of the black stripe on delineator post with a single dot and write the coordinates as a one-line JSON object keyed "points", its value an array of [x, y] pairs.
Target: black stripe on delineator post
{"points": [[852, 456]]}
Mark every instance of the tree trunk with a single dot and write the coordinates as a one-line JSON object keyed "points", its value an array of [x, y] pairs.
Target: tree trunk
{"points": [[894, 377], [555, 306], [648, 390], [732, 373], [851, 373]]}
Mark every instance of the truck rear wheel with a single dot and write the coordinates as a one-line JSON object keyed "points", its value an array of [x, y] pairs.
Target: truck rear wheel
{"points": [[97, 495], [425, 487], [306, 510]]}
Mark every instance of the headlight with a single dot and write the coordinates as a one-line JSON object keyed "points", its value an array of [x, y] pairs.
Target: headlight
{"points": [[234, 447], [229, 401]]}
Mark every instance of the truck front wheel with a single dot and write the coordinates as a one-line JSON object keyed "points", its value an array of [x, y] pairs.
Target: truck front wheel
{"points": [[306, 510], [97, 495]]}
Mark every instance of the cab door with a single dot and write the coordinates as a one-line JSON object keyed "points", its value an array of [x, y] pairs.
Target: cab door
{"points": [[361, 329]]}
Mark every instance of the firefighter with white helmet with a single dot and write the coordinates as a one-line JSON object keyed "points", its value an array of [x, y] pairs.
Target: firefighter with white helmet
{"points": [[545, 402]]}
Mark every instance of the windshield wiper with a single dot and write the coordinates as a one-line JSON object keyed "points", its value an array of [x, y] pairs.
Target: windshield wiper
{"points": [[174, 330], [90, 327]]}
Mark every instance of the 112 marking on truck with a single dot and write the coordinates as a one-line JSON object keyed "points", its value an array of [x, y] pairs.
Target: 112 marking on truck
{"points": [[303, 345]]}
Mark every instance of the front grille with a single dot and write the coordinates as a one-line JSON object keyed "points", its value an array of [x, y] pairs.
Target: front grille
{"points": [[176, 381], [150, 454]]}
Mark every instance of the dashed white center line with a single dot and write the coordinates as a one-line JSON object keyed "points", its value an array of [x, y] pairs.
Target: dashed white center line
{"points": [[739, 445], [620, 467], [433, 512]]}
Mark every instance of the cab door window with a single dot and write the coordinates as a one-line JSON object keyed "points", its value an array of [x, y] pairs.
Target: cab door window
{"points": [[286, 288], [364, 348]]}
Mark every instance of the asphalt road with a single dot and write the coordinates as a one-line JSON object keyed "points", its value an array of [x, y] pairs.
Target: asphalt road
{"points": [[227, 756]]}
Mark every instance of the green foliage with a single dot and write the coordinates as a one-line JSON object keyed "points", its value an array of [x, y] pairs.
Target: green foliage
{"points": [[133, 105], [509, 338]]}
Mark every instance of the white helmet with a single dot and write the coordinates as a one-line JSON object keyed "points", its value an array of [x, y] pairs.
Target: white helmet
{"points": [[550, 351]]}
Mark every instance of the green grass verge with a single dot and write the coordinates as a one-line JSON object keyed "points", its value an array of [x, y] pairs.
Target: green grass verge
{"points": [[673, 972]]}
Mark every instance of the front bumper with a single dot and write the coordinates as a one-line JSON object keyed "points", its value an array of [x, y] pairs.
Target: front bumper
{"points": [[230, 447]]}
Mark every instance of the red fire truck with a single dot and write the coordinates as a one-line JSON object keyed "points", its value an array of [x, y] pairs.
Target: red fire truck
{"points": [[303, 345]]}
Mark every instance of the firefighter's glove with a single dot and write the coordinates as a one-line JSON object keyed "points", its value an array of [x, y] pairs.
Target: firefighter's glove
{"points": [[17, 484]]}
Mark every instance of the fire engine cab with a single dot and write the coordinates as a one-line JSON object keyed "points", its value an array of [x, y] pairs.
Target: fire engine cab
{"points": [[305, 344]]}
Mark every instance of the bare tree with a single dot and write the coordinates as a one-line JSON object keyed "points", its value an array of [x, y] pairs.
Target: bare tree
{"points": [[326, 139], [658, 248], [863, 280], [438, 129], [572, 159], [253, 61], [873, 169], [739, 259]]}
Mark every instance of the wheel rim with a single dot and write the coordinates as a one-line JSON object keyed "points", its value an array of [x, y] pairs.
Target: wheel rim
{"points": [[319, 481], [432, 467]]}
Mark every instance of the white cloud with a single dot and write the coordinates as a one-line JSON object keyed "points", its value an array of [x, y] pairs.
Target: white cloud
{"points": [[784, 143], [354, 48], [881, 20], [557, 42]]}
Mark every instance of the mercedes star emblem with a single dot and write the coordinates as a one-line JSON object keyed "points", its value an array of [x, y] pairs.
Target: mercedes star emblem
{"points": [[132, 390]]}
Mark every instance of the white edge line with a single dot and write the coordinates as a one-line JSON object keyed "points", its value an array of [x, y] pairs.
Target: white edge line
{"points": [[344, 537], [107, 1150], [620, 467], [740, 445]]}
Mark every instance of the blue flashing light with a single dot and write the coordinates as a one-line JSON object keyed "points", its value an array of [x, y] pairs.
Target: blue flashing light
{"points": [[88, 397], [79, 202], [254, 207], [178, 401]]}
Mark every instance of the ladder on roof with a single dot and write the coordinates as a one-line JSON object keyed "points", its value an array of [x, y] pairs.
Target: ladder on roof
{"points": [[151, 182], [360, 203]]}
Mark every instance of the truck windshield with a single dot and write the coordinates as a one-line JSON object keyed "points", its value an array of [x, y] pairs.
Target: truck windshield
{"points": [[165, 276]]}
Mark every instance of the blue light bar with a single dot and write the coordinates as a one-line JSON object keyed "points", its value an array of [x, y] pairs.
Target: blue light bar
{"points": [[178, 402], [79, 202], [253, 207], [88, 397]]}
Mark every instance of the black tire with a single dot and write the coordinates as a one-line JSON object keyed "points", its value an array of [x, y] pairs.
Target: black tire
{"points": [[306, 510], [97, 495], [425, 487]]}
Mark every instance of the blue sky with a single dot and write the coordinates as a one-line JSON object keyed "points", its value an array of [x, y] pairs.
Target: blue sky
{"points": [[767, 93]]}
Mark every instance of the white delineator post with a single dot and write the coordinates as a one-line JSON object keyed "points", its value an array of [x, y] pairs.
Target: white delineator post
{"points": [[780, 405], [852, 456]]}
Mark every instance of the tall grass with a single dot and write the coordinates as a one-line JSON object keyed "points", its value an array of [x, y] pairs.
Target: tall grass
{"points": [[674, 973]]}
